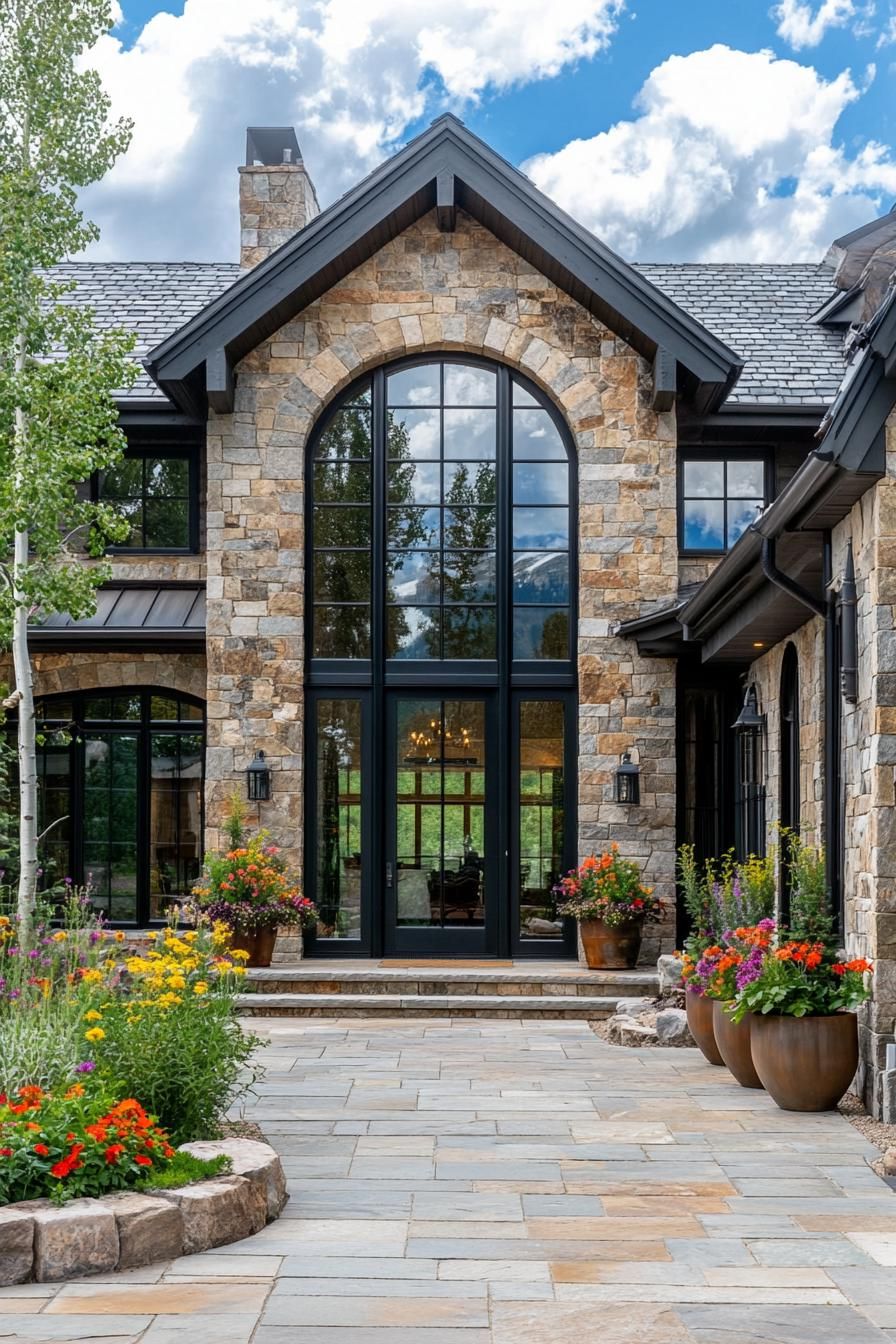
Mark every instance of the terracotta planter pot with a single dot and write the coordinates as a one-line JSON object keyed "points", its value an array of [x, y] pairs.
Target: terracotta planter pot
{"points": [[609, 949], [805, 1063], [699, 1010], [733, 1040], [259, 945]]}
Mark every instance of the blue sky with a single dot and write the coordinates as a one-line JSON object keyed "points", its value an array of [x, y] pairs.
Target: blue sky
{"points": [[722, 153]]}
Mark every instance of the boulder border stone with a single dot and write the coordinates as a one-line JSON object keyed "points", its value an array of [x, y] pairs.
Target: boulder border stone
{"points": [[47, 1244]]}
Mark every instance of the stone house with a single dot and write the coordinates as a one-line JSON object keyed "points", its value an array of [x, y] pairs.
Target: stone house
{"points": [[440, 510]]}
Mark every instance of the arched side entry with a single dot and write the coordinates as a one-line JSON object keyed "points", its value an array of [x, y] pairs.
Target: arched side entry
{"points": [[441, 672]]}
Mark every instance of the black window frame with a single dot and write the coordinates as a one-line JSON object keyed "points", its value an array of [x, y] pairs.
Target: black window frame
{"points": [[372, 679], [77, 726], [141, 451], [724, 454]]}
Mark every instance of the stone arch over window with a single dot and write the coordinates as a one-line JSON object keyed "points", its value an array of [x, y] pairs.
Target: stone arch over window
{"points": [[120, 795]]}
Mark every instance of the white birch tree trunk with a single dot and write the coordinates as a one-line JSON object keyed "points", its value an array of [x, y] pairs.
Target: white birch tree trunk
{"points": [[24, 688]]}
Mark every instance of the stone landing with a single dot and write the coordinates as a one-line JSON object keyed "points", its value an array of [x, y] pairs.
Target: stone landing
{"points": [[343, 988]]}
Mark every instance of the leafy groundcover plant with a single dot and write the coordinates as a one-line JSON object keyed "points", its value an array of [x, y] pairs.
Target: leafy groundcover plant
{"points": [[608, 888], [797, 979], [78, 1142]]}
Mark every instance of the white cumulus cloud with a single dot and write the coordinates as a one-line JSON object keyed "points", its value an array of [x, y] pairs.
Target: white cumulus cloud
{"points": [[351, 77], [802, 26], [733, 156]]}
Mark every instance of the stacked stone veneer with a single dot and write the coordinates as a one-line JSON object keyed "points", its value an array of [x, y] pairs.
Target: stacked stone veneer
{"points": [[274, 203], [428, 291], [867, 763]]}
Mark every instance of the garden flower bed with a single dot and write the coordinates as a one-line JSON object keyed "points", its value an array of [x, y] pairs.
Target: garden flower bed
{"points": [[117, 1068]]}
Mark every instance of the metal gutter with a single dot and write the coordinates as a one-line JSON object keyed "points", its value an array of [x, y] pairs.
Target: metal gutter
{"points": [[785, 583]]}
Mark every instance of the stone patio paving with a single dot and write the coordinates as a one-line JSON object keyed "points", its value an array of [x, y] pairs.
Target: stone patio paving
{"points": [[499, 1182]]}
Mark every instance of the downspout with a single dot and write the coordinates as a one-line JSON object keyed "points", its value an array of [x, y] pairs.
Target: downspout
{"points": [[786, 584]]}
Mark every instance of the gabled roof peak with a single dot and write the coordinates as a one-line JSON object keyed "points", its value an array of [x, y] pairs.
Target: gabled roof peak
{"points": [[444, 168]]}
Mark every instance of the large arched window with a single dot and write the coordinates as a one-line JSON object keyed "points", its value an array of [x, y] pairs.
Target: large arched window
{"points": [[120, 796], [441, 563]]}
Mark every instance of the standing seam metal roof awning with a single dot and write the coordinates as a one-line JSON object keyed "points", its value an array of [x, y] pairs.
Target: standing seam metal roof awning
{"points": [[130, 616]]}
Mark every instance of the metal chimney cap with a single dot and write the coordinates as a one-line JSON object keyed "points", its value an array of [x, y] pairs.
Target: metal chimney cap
{"points": [[272, 146]]}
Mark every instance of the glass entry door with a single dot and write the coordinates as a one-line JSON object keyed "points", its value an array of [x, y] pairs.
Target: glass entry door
{"points": [[440, 869]]}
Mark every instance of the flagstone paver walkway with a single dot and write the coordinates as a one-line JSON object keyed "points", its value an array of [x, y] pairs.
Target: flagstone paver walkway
{"points": [[506, 1182]]}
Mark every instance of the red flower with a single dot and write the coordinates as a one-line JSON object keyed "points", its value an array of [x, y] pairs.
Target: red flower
{"points": [[143, 1161], [113, 1152], [42, 1150], [5, 1152]]}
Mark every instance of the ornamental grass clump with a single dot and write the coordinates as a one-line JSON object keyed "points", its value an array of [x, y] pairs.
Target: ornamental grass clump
{"points": [[609, 889]]}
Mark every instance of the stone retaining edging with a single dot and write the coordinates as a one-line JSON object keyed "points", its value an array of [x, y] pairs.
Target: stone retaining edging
{"points": [[45, 1243]]}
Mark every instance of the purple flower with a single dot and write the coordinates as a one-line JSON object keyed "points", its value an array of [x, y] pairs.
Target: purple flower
{"points": [[87, 1066]]}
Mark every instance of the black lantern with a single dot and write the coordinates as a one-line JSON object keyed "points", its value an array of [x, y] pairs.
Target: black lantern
{"points": [[749, 727], [628, 781], [258, 779]]}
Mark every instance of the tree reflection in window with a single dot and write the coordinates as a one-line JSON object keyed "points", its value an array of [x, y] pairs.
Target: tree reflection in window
{"points": [[447, 450]]}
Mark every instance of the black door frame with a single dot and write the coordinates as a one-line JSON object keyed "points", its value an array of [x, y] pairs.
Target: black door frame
{"points": [[480, 940], [374, 680]]}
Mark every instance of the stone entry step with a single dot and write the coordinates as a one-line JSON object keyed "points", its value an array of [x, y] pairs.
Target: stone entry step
{"points": [[587, 1007], [331, 988]]}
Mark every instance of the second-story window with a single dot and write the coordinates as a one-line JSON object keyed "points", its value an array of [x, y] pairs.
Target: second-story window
{"points": [[719, 497], [155, 492]]}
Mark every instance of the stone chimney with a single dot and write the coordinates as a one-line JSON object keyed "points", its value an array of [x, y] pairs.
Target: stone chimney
{"points": [[277, 196]]}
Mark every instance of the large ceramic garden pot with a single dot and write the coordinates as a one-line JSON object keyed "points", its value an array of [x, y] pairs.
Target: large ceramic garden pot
{"points": [[700, 1014], [805, 1063], [259, 945], [733, 1041], [610, 949]]}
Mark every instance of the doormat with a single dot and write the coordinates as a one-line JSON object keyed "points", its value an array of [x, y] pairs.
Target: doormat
{"points": [[449, 963]]}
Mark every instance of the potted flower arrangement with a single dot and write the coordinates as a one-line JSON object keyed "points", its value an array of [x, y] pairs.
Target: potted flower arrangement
{"points": [[607, 898], [721, 897], [804, 1029], [250, 889], [725, 975]]}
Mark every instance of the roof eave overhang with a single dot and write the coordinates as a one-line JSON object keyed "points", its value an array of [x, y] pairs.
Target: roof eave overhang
{"points": [[446, 167], [62, 639], [738, 606]]}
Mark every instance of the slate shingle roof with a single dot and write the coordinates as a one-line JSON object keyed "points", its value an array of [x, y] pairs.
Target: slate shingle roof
{"points": [[762, 310], [151, 298]]}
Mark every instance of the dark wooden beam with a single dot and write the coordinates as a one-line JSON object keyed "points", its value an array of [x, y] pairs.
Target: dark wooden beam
{"points": [[219, 382], [665, 380], [446, 204]]}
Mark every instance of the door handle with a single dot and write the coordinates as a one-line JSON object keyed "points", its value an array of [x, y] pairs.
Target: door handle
{"points": [[389, 875]]}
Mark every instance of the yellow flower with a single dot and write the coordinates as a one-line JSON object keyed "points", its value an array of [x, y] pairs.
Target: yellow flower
{"points": [[239, 970], [60, 936], [4, 921], [200, 987], [95, 1034], [119, 936], [177, 982], [92, 976], [239, 955], [93, 1016]]}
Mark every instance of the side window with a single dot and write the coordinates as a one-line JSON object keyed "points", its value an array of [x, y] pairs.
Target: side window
{"points": [[719, 497], [156, 493]]}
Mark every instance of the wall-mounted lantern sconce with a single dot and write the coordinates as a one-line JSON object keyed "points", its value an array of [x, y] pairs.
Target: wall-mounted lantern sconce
{"points": [[258, 779], [750, 727], [628, 781]]}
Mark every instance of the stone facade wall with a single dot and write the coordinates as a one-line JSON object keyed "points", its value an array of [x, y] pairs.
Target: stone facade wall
{"points": [[61, 673], [428, 291], [867, 757], [766, 674], [275, 202]]}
